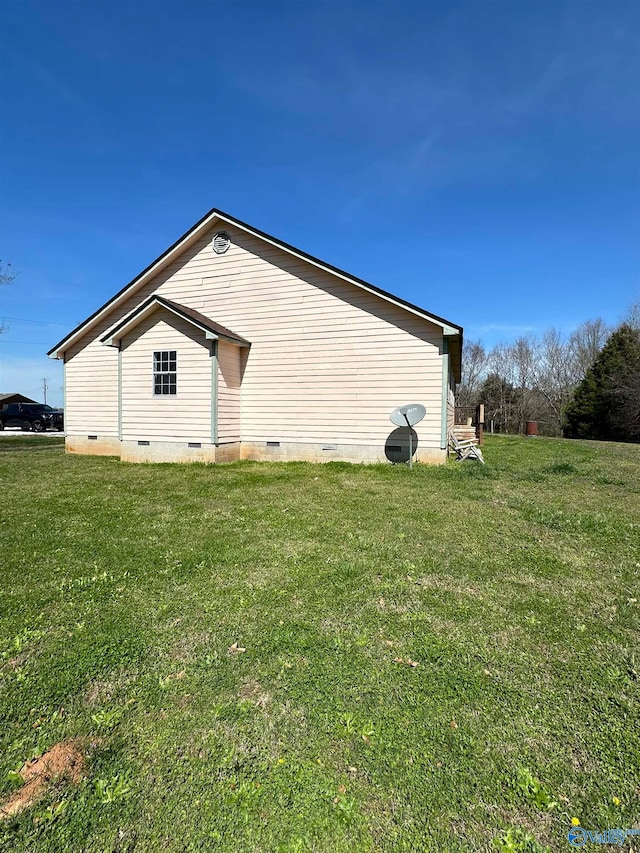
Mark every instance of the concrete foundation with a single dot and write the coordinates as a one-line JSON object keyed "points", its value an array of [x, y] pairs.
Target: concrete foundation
{"points": [[294, 452], [101, 445], [174, 451]]}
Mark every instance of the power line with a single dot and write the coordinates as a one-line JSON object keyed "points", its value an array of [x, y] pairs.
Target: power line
{"points": [[34, 322]]}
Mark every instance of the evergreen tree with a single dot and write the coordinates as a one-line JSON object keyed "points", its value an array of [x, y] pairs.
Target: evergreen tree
{"points": [[605, 404]]}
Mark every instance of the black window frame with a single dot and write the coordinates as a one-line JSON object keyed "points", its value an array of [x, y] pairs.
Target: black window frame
{"points": [[165, 373]]}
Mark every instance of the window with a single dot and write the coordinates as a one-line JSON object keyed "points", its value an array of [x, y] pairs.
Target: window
{"points": [[164, 372]]}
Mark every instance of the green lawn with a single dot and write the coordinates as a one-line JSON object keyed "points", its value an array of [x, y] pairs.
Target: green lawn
{"points": [[514, 587]]}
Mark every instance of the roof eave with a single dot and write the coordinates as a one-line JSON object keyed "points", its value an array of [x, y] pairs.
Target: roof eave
{"points": [[154, 267], [141, 312], [365, 285], [455, 341], [192, 235]]}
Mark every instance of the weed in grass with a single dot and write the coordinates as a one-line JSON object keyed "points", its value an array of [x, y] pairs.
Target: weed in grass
{"points": [[15, 778], [111, 790], [349, 724], [244, 796], [516, 840], [366, 732], [345, 807], [20, 673], [107, 719], [24, 638], [534, 791], [51, 812], [614, 673], [296, 845]]}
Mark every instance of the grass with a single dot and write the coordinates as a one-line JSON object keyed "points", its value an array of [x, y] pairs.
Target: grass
{"points": [[514, 587]]}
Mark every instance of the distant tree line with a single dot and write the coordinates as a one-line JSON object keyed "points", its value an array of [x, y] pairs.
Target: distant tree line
{"points": [[586, 385]]}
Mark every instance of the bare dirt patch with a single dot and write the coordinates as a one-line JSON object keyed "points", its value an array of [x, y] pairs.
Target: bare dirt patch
{"points": [[65, 760], [101, 692], [98, 693], [252, 691], [18, 660]]}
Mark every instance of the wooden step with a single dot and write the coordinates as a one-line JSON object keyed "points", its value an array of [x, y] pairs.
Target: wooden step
{"points": [[464, 433]]}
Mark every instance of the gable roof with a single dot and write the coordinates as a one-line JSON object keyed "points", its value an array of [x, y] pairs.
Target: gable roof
{"points": [[450, 329], [213, 331]]}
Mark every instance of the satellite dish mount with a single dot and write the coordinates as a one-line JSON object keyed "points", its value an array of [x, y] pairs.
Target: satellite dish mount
{"points": [[408, 416]]}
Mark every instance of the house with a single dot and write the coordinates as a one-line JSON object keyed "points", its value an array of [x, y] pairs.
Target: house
{"points": [[7, 399], [235, 345]]}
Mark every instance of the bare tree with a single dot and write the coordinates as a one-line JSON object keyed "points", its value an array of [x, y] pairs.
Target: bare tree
{"points": [[586, 343], [554, 373], [535, 378], [474, 368], [498, 395], [633, 316], [516, 363]]}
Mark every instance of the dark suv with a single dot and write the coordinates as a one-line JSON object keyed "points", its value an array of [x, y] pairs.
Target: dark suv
{"points": [[35, 416]]}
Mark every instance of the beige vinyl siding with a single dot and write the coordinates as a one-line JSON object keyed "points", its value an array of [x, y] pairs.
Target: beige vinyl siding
{"points": [[328, 361], [91, 376], [229, 391], [185, 416], [91, 391]]}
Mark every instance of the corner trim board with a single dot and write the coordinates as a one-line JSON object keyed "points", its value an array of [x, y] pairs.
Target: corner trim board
{"points": [[119, 393], [214, 392], [445, 392], [64, 391]]}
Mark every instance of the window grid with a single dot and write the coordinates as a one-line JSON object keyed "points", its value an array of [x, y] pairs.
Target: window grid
{"points": [[164, 372]]}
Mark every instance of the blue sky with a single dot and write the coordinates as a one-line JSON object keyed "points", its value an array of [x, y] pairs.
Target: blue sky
{"points": [[481, 159]]}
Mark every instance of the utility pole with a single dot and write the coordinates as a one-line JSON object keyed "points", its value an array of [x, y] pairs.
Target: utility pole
{"points": [[45, 388]]}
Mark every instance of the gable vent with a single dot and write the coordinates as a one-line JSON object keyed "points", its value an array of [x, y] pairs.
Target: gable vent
{"points": [[221, 242]]}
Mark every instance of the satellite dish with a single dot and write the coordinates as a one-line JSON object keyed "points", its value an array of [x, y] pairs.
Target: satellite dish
{"points": [[408, 416]]}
